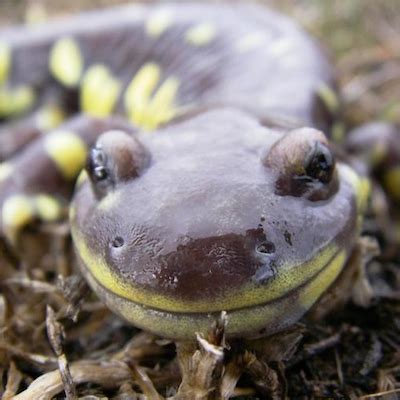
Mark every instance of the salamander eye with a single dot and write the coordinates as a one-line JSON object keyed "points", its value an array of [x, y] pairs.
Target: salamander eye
{"points": [[116, 157], [96, 165], [320, 165], [304, 165]]}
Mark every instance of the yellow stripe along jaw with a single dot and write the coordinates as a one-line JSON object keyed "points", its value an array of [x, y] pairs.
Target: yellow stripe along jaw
{"points": [[287, 279], [268, 318]]}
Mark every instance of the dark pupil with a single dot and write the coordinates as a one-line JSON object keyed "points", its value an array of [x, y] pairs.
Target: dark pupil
{"points": [[320, 165], [100, 173], [97, 163]]}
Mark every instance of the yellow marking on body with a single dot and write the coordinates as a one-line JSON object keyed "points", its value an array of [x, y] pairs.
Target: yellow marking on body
{"points": [[158, 23], [47, 207], [72, 212], [99, 91], [328, 97], [162, 106], [391, 180], [321, 283], [50, 117], [138, 92], [361, 186], [201, 35], [109, 201], [83, 177], [66, 62], [68, 151], [282, 312], [17, 212], [286, 280], [378, 153], [251, 41], [5, 62], [5, 170], [146, 107], [16, 101], [338, 132]]}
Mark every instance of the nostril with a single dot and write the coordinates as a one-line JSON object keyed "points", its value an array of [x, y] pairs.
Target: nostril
{"points": [[117, 242], [266, 248]]}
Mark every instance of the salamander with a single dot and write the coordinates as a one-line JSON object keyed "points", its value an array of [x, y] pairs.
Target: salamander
{"points": [[209, 183]]}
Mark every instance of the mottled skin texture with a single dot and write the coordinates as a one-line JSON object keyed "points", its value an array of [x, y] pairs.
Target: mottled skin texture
{"points": [[229, 210]]}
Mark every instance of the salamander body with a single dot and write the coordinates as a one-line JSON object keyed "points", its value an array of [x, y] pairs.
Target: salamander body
{"points": [[213, 188]]}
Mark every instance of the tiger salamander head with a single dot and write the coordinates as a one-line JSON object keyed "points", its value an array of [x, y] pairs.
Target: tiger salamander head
{"points": [[215, 213]]}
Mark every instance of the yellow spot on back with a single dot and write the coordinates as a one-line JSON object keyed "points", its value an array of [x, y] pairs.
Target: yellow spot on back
{"points": [[47, 208], [162, 106], [16, 101], [50, 117], [99, 91], [250, 42], [201, 34], [328, 97], [5, 170], [158, 23], [68, 151], [5, 62], [144, 107], [66, 63], [391, 182], [17, 212], [138, 92]]}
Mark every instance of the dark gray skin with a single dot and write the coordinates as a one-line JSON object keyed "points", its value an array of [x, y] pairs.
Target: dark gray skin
{"points": [[203, 214]]}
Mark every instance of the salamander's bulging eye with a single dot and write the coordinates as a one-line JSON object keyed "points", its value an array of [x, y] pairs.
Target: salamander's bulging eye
{"points": [[96, 165], [304, 165], [116, 157], [320, 165]]}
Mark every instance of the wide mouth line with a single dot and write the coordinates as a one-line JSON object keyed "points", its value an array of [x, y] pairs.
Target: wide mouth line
{"points": [[271, 302]]}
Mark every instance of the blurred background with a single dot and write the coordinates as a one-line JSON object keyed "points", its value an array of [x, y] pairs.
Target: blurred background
{"points": [[363, 37]]}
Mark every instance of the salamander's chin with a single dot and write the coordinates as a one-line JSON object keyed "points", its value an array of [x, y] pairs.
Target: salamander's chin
{"points": [[254, 321]]}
